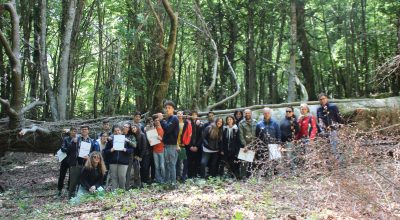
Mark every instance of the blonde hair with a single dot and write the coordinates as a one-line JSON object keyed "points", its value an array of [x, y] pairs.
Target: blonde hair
{"points": [[304, 105], [90, 163]]}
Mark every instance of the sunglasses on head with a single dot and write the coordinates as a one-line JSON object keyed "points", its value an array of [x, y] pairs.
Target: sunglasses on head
{"points": [[96, 157]]}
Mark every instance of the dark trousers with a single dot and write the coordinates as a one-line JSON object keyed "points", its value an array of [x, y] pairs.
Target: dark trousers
{"points": [[211, 160], [145, 169], [193, 161], [152, 168], [64, 166], [74, 179], [232, 164]]}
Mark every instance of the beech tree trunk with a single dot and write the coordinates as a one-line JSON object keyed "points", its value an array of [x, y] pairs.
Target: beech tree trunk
{"points": [[62, 97]]}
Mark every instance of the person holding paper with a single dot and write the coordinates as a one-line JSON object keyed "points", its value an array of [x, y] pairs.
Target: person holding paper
{"points": [[231, 145], [269, 132], [78, 150], [119, 158], [64, 165], [247, 133], [91, 179]]}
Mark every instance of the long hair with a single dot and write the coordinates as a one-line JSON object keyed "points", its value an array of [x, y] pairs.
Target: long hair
{"points": [[215, 132], [138, 131], [90, 162]]}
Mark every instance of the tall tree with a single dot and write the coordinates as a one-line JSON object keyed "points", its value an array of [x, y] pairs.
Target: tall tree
{"points": [[364, 38], [305, 58], [250, 60], [167, 72], [293, 49], [62, 97]]}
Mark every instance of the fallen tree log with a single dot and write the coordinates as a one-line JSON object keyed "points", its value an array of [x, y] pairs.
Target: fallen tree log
{"points": [[48, 135]]}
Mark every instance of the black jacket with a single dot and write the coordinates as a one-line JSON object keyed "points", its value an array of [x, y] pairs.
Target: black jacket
{"points": [[143, 148], [231, 144], [210, 143], [91, 177], [118, 157], [171, 130], [197, 138], [73, 151], [329, 114], [286, 128]]}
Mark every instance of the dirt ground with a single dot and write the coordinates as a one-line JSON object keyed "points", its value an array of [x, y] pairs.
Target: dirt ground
{"points": [[366, 187]]}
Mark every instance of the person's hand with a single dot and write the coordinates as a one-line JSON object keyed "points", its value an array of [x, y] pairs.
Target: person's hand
{"points": [[138, 158], [127, 140], [194, 149], [198, 122], [85, 157], [92, 189], [222, 153], [245, 149], [109, 138], [112, 149], [160, 138], [124, 149], [160, 116], [75, 140], [178, 148]]}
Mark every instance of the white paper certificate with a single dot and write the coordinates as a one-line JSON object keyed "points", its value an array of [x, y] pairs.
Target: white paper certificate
{"points": [[152, 137], [248, 156], [61, 155], [84, 149], [274, 152], [119, 142]]}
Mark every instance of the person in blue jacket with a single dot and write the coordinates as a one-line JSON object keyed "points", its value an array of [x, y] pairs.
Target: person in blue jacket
{"points": [[119, 159], [170, 140]]}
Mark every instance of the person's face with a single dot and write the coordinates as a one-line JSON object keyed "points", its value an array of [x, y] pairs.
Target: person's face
{"points": [[247, 115], [96, 158], [219, 123], [169, 110], [136, 118], [103, 138], [194, 116], [157, 122], [267, 115], [323, 100], [289, 112], [84, 132], [238, 115], [117, 131], [180, 115], [229, 121], [106, 126], [303, 110], [72, 133], [134, 129], [126, 129], [211, 117]]}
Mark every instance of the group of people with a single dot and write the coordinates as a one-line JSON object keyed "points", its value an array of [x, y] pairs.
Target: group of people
{"points": [[186, 146]]}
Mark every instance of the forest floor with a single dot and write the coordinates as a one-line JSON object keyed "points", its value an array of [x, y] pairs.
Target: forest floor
{"points": [[366, 187]]}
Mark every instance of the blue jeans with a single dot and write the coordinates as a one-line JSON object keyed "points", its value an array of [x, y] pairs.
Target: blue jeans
{"points": [[159, 163], [333, 140], [211, 160], [171, 156]]}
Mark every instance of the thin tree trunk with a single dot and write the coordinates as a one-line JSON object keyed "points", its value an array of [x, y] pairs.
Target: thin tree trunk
{"points": [[100, 62], [250, 74], [292, 71], [364, 38], [64, 61], [305, 58]]}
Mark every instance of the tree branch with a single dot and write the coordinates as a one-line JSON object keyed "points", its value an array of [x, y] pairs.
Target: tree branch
{"points": [[32, 105], [234, 94], [33, 129], [214, 46], [7, 48], [7, 107], [159, 24]]}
